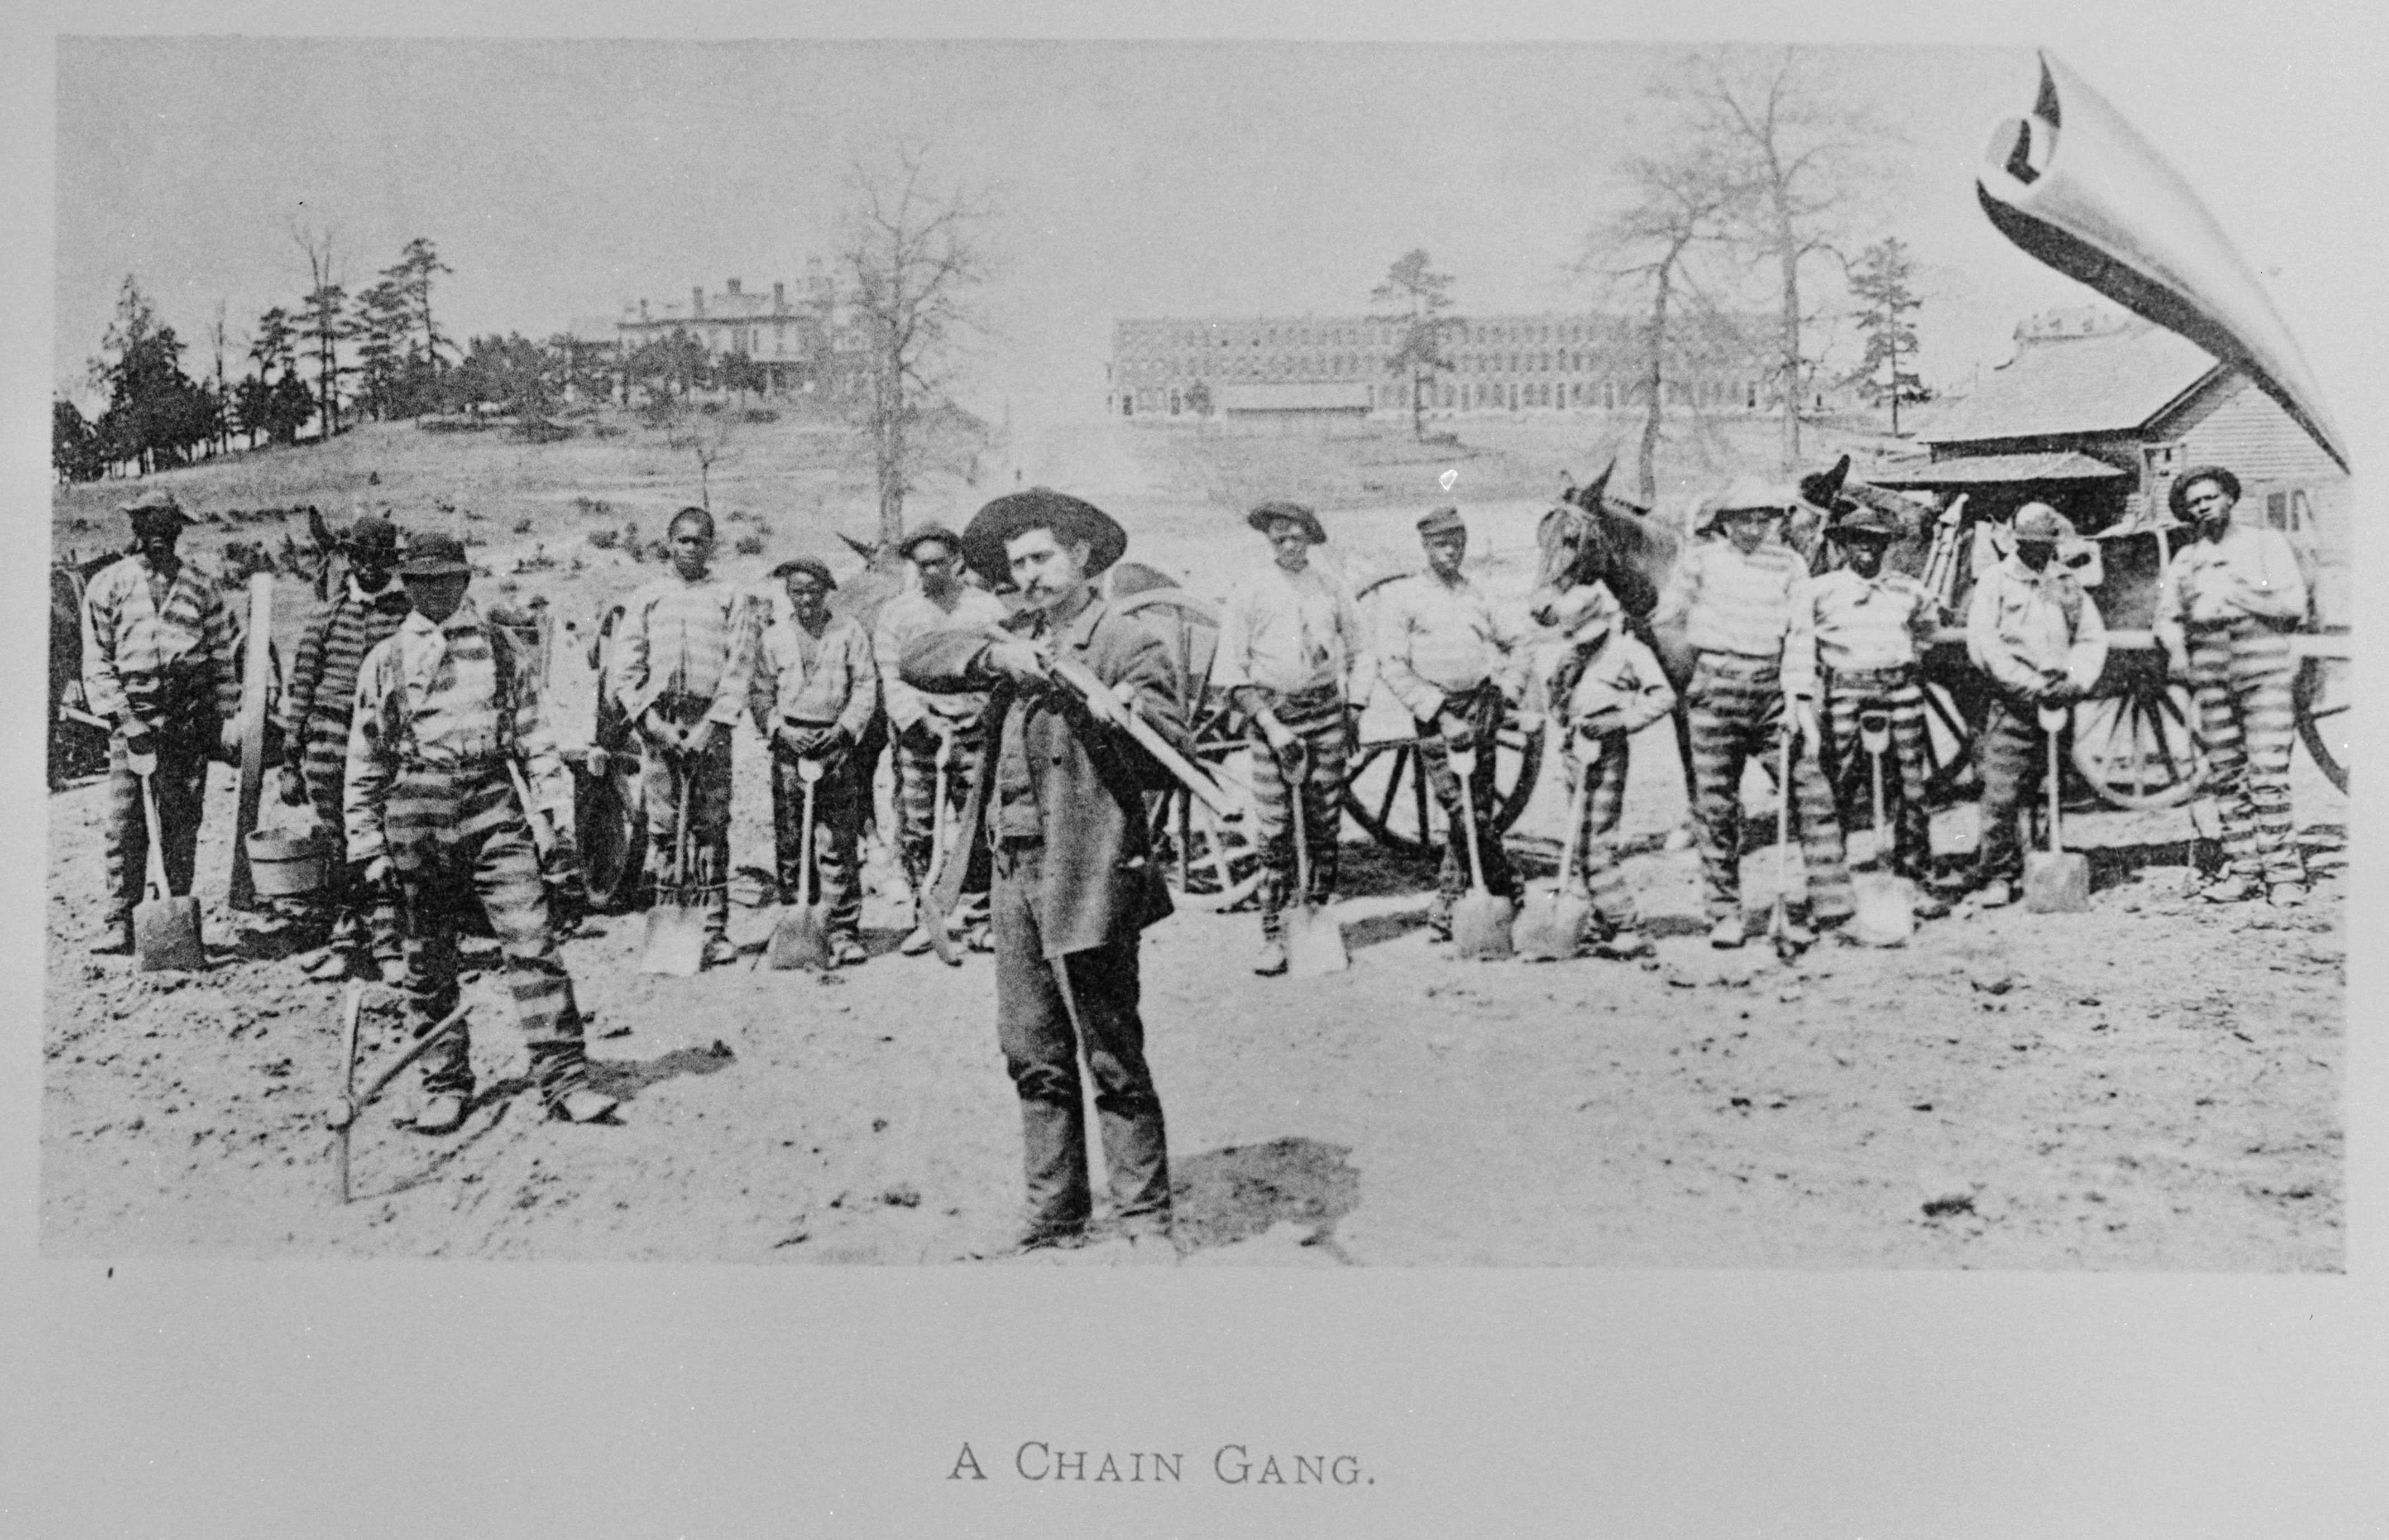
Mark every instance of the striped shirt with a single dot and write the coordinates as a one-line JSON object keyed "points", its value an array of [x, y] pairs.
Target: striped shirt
{"points": [[2250, 572], [913, 615], [1841, 623], [1293, 633], [137, 627], [324, 674], [684, 638], [2017, 631], [813, 681], [1436, 639], [1729, 603], [428, 697]]}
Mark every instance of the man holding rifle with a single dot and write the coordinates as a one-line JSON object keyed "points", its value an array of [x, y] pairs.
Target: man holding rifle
{"points": [[1061, 795]]}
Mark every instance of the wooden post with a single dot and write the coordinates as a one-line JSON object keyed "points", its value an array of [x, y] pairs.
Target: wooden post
{"points": [[256, 674]]}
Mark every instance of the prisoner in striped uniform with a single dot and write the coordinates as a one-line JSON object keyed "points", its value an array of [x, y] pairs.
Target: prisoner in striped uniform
{"points": [[681, 662], [1455, 661], [1857, 634], [1734, 598], [1292, 657], [1613, 689], [813, 692], [924, 722], [2039, 637], [316, 710], [157, 664], [2227, 603], [443, 706]]}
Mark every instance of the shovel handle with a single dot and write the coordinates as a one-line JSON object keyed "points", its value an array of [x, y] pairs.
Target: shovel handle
{"points": [[149, 822]]}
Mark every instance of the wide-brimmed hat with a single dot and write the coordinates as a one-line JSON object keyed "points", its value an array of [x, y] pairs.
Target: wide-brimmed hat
{"points": [[1868, 521], [434, 556], [372, 534], [1747, 493], [1278, 508], [805, 563], [2178, 497], [1443, 521], [2041, 523], [1073, 520], [924, 535], [153, 508]]}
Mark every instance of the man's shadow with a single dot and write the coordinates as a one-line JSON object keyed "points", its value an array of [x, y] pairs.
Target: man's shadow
{"points": [[1223, 1196]]}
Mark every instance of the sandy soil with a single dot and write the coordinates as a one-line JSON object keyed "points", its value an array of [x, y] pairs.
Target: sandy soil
{"points": [[2156, 1085]]}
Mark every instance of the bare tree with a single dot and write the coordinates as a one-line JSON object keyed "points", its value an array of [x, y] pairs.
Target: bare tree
{"points": [[1682, 205], [706, 437], [324, 323], [913, 260], [1796, 148], [218, 338]]}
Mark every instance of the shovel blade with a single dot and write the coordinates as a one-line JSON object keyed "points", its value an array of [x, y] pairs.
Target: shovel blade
{"points": [[676, 937], [2057, 882], [1886, 914], [800, 942], [166, 935], [1480, 927], [1314, 943], [1550, 928]]}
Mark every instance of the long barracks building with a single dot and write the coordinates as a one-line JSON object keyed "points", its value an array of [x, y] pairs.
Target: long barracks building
{"points": [[1340, 365]]}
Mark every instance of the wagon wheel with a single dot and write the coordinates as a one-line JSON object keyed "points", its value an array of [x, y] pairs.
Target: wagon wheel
{"points": [[2135, 747], [610, 825], [1956, 700], [1387, 793], [1211, 861], [2321, 695]]}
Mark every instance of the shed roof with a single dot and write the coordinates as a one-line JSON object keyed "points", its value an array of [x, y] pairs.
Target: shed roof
{"points": [[2105, 383], [1973, 470]]}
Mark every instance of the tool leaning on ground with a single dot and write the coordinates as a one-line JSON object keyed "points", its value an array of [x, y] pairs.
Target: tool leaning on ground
{"points": [[2056, 881], [344, 1113], [1887, 901], [940, 837], [1551, 931], [165, 928], [1314, 942], [676, 934], [1779, 920], [1480, 919], [801, 941]]}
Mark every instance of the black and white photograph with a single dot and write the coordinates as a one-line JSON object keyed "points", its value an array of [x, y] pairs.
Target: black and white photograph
{"points": [[1015, 658]]}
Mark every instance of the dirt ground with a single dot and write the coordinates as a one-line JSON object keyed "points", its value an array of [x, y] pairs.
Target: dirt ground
{"points": [[2155, 1084]]}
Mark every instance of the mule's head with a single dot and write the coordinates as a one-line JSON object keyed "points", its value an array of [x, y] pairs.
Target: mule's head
{"points": [[1573, 550]]}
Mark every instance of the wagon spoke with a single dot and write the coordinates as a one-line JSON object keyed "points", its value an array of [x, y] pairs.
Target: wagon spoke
{"points": [[1393, 785]]}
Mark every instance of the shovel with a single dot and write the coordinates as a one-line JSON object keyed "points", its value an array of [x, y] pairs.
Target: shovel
{"points": [[675, 945], [1314, 942], [2056, 881], [800, 941], [1886, 902], [1550, 931], [165, 929], [923, 908], [1480, 921]]}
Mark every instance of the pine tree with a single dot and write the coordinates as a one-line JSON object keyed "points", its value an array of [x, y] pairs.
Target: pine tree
{"points": [[1880, 282], [1421, 296]]}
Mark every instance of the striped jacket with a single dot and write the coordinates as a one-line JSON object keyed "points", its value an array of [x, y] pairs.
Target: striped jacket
{"points": [[132, 642], [679, 638], [430, 698], [1729, 603], [1844, 623], [323, 693]]}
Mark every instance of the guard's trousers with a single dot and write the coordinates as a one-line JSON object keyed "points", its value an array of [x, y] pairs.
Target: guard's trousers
{"points": [[179, 785], [916, 798], [708, 814], [1736, 710], [2241, 675], [1596, 834], [458, 837], [1318, 719], [1047, 1011], [1850, 694]]}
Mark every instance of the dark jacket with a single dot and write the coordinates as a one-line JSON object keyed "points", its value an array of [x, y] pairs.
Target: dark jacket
{"points": [[1100, 882]]}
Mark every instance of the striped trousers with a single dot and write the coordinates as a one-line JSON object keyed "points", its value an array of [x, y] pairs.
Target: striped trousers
{"points": [[1847, 695], [1596, 846], [458, 836], [708, 814], [1736, 707], [179, 785], [1482, 706], [1318, 720], [2240, 676], [916, 798], [837, 824], [356, 907]]}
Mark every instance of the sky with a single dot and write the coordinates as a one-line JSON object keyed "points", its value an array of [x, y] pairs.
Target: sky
{"points": [[562, 179]]}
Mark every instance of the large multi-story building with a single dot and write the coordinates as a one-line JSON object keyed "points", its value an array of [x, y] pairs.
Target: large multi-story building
{"points": [[1260, 365], [801, 344]]}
